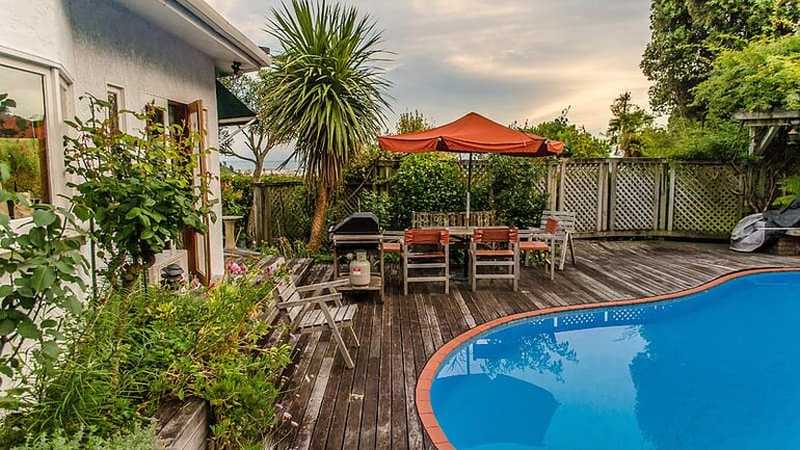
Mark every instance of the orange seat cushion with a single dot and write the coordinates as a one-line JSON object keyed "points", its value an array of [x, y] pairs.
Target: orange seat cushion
{"points": [[533, 246], [489, 252], [391, 247], [426, 255]]}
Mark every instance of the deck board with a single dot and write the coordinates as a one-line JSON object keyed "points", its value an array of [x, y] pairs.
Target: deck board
{"points": [[372, 406]]}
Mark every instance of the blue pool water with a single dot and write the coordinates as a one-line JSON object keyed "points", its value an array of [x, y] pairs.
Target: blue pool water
{"points": [[714, 370]]}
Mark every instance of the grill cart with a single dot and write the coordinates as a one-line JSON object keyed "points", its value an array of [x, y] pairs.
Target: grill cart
{"points": [[359, 232]]}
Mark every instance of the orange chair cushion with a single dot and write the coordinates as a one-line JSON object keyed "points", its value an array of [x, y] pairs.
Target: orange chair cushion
{"points": [[490, 252], [392, 247], [533, 246]]}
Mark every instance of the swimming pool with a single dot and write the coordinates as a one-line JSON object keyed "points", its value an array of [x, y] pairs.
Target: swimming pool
{"points": [[717, 368]]}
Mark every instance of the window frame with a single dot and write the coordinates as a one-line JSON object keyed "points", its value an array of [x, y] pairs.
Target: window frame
{"points": [[119, 92], [54, 80]]}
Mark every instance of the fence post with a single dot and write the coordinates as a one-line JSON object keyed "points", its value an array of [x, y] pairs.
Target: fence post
{"points": [[562, 168], [609, 190], [671, 199], [268, 213]]}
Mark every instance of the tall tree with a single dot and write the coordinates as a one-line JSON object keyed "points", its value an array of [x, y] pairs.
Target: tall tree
{"points": [[327, 90], [628, 121], [579, 141], [410, 122], [259, 137], [686, 36]]}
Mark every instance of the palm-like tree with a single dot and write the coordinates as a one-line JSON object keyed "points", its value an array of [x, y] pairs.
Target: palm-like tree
{"points": [[327, 91]]}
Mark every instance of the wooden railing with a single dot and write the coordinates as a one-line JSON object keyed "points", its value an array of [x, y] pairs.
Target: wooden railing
{"points": [[453, 219]]}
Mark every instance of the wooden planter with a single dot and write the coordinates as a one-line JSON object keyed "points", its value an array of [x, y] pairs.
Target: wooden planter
{"points": [[184, 426]]}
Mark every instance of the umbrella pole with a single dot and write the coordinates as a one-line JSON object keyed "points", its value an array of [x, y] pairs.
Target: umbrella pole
{"points": [[469, 186]]}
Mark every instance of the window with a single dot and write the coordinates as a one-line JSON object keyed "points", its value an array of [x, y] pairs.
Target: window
{"points": [[23, 137], [116, 101]]}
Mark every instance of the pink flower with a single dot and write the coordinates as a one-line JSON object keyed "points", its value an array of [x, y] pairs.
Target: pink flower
{"points": [[235, 268]]}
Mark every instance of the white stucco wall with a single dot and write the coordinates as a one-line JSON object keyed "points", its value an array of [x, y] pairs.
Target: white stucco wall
{"points": [[100, 43]]}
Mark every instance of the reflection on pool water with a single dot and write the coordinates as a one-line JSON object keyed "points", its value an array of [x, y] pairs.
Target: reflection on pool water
{"points": [[714, 370]]}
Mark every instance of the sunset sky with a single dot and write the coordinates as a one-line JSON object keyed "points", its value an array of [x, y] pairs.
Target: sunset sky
{"points": [[507, 59]]}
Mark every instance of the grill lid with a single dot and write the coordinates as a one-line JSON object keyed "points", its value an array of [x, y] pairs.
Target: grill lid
{"points": [[358, 223]]}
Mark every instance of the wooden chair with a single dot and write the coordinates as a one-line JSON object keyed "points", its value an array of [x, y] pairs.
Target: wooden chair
{"points": [[543, 242], [434, 254], [315, 312], [563, 236], [494, 247]]}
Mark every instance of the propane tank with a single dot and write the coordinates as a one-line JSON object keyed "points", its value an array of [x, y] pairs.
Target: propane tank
{"points": [[360, 270]]}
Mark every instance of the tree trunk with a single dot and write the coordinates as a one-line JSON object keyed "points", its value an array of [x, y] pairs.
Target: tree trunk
{"points": [[259, 167], [318, 222]]}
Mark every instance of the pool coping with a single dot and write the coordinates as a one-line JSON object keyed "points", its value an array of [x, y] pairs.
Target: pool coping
{"points": [[426, 377]]}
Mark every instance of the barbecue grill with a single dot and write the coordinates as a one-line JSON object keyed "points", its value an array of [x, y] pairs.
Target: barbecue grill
{"points": [[358, 232]]}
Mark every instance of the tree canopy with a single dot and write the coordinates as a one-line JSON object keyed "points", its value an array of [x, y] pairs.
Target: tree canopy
{"points": [[687, 35], [762, 76], [580, 142]]}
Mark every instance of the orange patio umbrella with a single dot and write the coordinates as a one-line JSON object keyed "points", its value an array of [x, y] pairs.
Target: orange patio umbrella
{"points": [[472, 133]]}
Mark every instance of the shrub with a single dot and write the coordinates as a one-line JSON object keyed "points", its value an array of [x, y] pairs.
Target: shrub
{"points": [[134, 351], [379, 204], [41, 275], [139, 189], [427, 182], [138, 439], [517, 198]]}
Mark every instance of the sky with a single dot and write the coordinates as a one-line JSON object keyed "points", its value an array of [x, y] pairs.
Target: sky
{"points": [[511, 60]]}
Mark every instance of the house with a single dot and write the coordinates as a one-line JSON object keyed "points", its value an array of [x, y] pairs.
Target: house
{"points": [[168, 53]]}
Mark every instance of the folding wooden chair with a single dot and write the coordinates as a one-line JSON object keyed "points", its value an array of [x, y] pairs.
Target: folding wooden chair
{"points": [[425, 249], [308, 314], [563, 235], [494, 247], [542, 241]]}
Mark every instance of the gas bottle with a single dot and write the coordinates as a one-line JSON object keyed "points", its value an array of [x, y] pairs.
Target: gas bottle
{"points": [[360, 270]]}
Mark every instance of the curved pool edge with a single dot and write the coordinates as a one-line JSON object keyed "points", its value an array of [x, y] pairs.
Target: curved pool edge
{"points": [[423, 389]]}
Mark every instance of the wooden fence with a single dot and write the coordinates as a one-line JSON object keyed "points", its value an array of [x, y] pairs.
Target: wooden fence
{"points": [[647, 197], [610, 196], [275, 211]]}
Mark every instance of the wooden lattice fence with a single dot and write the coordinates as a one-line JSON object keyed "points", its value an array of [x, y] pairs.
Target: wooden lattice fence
{"points": [[648, 197], [280, 209]]}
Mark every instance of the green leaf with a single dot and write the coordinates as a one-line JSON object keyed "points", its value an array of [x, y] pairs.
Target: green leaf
{"points": [[7, 326], [43, 278], [28, 330], [134, 212], [43, 217], [49, 323], [82, 212], [74, 305], [5, 291], [50, 348]]}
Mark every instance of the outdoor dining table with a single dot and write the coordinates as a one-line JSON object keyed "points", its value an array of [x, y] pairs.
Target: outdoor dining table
{"points": [[464, 235]]}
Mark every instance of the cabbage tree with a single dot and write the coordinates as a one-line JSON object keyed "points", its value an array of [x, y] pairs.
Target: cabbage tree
{"points": [[327, 91]]}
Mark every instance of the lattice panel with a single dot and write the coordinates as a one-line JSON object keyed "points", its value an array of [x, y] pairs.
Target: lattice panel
{"points": [[636, 199], [704, 199], [580, 194]]}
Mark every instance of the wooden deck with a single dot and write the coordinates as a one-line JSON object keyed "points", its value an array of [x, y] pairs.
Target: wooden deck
{"points": [[372, 406]]}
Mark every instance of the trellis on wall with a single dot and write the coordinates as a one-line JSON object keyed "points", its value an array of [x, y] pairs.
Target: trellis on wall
{"points": [[647, 197]]}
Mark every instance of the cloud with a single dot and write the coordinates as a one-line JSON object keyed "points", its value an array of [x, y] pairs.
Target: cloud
{"points": [[509, 59]]}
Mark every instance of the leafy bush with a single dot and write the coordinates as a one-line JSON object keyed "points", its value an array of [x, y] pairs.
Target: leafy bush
{"points": [[379, 204], [517, 198], [134, 351], [41, 271], [790, 188], [237, 193], [427, 182], [140, 189], [138, 439], [764, 75], [719, 140]]}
